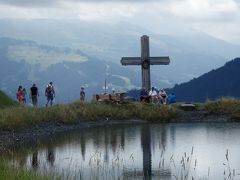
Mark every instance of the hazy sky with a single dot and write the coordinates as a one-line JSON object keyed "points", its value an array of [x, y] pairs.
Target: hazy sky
{"points": [[220, 18]]}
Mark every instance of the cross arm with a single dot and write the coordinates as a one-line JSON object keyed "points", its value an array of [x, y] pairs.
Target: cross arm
{"points": [[159, 60], [131, 61]]}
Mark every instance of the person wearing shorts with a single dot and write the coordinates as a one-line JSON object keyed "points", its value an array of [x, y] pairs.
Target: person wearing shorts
{"points": [[49, 93]]}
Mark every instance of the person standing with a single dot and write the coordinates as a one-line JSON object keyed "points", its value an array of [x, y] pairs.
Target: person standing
{"points": [[49, 93], [82, 94], [34, 94], [24, 94], [19, 96]]}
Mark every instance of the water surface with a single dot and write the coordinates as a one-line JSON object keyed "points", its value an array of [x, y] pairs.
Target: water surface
{"points": [[154, 151]]}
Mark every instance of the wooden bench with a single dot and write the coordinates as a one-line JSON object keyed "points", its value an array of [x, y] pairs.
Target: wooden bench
{"points": [[107, 98]]}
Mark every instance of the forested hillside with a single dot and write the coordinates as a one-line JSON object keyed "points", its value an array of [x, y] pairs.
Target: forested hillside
{"points": [[221, 82]]}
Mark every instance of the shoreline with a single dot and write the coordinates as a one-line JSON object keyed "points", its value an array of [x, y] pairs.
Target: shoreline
{"points": [[11, 139]]}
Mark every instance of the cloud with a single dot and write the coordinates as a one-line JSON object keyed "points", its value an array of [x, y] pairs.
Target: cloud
{"points": [[29, 3], [44, 3], [215, 17]]}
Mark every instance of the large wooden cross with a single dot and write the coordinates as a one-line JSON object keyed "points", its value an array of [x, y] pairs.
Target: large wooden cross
{"points": [[145, 61]]}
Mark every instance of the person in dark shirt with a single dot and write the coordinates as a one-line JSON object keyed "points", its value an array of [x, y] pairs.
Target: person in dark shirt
{"points": [[34, 94], [82, 94], [144, 97]]}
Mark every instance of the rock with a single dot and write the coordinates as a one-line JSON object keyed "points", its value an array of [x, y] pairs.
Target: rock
{"points": [[188, 107]]}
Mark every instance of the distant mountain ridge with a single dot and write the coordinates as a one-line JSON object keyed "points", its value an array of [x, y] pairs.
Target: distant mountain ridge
{"points": [[26, 62], [191, 55], [221, 82]]}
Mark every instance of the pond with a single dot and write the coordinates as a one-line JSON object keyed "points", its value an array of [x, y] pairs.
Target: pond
{"points": [[141, 151]]}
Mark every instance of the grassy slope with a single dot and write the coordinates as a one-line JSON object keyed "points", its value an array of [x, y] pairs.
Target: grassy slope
{"points": [[6, 101], [43, 55]]}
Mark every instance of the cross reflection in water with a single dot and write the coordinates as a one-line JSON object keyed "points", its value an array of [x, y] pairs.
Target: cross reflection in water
{"points": [[108, 140]]}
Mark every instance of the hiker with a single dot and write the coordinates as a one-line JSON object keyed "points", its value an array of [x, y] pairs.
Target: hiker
{"points": [[82, 95], [172, 98], [144, 95], [24, 94], [34, 94], [49, 93], [153, 95], [163, 96], [19, 96]]}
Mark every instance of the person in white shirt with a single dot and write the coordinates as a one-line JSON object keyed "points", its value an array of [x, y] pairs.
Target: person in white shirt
{"points": [[163, 96], [153, 94]]}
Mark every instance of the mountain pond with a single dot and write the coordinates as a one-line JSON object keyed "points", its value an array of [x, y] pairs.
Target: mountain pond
{"points": [[139, 151]]}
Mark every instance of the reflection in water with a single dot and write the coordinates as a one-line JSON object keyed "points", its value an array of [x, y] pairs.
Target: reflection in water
{"points": [[35, 162], [83, 145], [50, 155], [113, 140], [107, 150], [146, 148], [122, 138], [163, 136]]}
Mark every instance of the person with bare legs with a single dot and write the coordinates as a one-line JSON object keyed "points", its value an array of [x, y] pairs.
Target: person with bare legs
{"points": [[49, 93], [19, 96]]}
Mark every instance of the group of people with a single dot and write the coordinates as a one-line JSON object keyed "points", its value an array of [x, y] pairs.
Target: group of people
{"points": [[157, 96], [34, 94]]}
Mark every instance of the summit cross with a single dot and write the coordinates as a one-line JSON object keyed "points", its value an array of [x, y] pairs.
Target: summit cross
{"points": [[145, 61]]}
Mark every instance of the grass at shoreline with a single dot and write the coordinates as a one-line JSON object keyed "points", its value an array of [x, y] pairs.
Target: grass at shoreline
{"points": [[224, 105], [14, 117], [10, 172]]}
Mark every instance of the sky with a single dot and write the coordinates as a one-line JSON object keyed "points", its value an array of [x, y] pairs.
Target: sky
{"points": [[218, 18]]}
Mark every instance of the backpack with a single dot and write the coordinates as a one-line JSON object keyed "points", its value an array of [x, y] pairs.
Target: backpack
{"points": [[48, 89]]}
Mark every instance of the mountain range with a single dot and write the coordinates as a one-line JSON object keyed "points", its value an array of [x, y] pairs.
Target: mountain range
{"points": [[77, 53], [26, 62], [191, 55], [220, 82]]}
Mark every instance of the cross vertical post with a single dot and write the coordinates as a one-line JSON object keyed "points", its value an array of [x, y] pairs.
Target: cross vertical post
{"points": [[145, 63]]}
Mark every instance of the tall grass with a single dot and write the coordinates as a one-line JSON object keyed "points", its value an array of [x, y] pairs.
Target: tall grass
{"points": [[224, 105], [14, 117], [10, 172]]}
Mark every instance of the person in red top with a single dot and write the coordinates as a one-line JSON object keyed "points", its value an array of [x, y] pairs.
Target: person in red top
{"points": [[19, 96]]}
